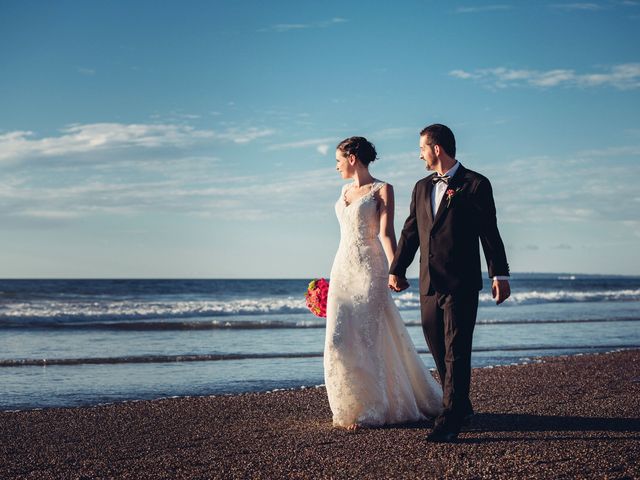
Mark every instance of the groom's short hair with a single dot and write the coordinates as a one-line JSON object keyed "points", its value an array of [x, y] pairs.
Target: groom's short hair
{"points": [[441, 135]]}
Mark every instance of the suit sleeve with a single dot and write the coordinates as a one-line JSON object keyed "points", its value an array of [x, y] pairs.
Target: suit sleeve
{"points": [[492, 245], [408, 243]]}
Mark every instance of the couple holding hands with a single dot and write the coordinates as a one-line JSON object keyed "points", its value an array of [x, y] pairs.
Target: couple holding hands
{"points": [[373, 373]]}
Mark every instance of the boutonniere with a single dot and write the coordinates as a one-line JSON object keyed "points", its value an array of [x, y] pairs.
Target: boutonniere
{"points": [[450, 194]]}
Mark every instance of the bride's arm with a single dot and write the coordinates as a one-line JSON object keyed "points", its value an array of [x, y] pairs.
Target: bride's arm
{"points": [[387, 232]]}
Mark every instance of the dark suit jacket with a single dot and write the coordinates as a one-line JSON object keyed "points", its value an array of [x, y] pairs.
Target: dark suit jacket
{"points": [[449, 247]]}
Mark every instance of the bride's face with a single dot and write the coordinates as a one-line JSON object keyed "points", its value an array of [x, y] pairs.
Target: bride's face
{"points": [[342, 164]]}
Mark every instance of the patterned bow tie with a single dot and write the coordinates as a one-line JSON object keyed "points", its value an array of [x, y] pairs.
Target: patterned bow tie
{"points": [[443, 178]]}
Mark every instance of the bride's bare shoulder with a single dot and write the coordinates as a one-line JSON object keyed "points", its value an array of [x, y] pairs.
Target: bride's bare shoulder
{"points": [[384, 190], [384, 186]]}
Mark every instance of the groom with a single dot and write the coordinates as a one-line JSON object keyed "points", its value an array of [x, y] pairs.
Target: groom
{"points": [[450, 211]]}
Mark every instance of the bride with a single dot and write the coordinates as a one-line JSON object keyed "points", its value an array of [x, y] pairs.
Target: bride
{"points": [[372, 371]]}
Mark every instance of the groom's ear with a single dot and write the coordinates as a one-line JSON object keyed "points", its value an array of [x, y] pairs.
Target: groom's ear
{"points": [[437, 149]]}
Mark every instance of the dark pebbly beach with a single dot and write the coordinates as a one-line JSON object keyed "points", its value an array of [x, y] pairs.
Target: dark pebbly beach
{"points": [[559, 417]]}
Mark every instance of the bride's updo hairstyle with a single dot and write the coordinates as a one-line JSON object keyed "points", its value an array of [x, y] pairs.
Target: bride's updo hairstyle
{"points": [[362, 148]]}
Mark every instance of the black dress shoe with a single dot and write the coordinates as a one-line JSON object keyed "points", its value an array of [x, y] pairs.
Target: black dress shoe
{"points": [[466, 420], [442, 435]]}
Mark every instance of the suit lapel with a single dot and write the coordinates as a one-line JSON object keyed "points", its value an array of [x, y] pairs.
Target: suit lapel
{"points": [[454, 183], [429, 190]]}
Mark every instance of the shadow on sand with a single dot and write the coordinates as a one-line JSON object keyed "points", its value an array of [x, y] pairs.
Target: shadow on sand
{"points": [[512, 422], [496, 422], [521, 423]]}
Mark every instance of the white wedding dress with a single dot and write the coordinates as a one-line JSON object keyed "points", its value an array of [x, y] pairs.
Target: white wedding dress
{"points": [[372, 371]]}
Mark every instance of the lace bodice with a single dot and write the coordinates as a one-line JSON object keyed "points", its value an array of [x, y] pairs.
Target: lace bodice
{"points": [[360, 249], [360, 220]]}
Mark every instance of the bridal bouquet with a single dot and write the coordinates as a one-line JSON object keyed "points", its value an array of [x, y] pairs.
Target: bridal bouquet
{"points": [[317, 297]]}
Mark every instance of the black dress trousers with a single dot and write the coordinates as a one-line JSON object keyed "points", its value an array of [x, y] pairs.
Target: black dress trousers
{"points": [[448, 321]]}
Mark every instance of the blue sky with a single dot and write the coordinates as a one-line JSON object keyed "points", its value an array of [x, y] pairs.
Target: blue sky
{"points": [[196, 139]]}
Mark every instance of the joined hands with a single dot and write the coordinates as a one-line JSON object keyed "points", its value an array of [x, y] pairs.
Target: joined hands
{"points": [[397, 283]]}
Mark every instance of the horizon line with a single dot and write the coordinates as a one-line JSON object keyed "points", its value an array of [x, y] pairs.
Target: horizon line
{"points": [[302, 278]]}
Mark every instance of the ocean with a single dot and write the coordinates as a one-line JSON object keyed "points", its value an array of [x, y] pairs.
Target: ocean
{"points": [[89, 342]]}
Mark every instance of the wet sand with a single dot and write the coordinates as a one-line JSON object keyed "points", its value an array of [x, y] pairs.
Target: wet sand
{"points": [[568, 417]]}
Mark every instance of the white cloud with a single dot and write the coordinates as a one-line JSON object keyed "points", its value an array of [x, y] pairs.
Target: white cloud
{"points": [[324, 144], [323, 149], [86, 71], [79, 138], [623, 77], [485, 8], [189, 116], [287, 27], [634, 225], [530, 191], [245, 135], [50, 214], [550, 78], [622, 151], [578, 6], [393, 132], [174, 116], [31, 199], [312, 142], [462, 74], [571, 214]]}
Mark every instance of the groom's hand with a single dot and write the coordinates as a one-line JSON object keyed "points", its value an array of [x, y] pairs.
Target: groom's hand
{"points": [[398, 284], [500, 290]]}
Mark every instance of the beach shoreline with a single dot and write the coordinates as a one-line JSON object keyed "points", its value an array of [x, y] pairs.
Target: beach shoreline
{"points": [[527, 361], [562, 417]]}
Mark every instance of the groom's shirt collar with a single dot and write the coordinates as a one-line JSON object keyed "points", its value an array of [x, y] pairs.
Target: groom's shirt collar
{"points": [[452, 171]]}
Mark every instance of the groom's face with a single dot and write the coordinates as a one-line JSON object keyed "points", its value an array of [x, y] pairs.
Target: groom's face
{"points": [[427, 152]]}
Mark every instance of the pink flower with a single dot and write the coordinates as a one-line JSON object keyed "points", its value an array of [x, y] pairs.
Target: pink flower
{"points": [[450, 193], [316, 296]]}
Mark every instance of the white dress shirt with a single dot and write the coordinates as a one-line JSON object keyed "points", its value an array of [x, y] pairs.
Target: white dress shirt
{"points": [[438, 190], [437, 193]]}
